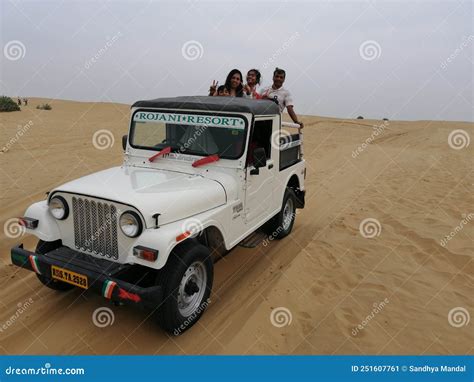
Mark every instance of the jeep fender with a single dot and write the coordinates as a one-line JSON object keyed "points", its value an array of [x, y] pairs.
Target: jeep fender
{"points": [[168, 236], [295, 176], [47, 229]]}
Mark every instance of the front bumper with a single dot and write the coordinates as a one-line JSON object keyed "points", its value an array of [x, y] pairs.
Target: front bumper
{"points": [[104, 277]]}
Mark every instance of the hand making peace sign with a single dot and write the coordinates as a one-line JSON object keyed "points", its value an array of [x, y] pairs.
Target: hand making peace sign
{"points": [[213, 88]]}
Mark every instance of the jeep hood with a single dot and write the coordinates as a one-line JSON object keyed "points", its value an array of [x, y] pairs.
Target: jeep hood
{"points": [[173, 195]]}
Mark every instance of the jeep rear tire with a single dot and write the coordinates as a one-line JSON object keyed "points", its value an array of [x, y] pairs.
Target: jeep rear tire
{"points": [[44, 247], [282, 224], [186, 280]]}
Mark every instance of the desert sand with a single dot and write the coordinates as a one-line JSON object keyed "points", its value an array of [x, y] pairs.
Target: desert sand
{"points": [[321, 283]]}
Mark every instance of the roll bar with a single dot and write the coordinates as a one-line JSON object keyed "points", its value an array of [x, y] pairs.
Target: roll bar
{"points": [[300, 133]]}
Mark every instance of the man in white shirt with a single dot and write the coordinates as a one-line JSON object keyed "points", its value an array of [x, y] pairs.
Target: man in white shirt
{"points": [[280, 95]]}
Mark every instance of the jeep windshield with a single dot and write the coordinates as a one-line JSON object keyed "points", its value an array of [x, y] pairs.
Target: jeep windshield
{"points": [[186, 133]]}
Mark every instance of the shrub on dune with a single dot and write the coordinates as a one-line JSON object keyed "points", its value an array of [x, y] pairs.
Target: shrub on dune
{"points": [[7, 104], [44, 106]]}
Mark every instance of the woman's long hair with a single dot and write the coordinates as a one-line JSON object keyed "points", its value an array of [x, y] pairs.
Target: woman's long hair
{"points": [[239, 92]]}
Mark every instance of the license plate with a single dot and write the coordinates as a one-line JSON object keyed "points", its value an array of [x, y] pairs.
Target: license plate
{"points": [[69, 277]]}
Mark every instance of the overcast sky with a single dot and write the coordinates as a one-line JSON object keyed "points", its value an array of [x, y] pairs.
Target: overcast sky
{"points": [[400, 59]]}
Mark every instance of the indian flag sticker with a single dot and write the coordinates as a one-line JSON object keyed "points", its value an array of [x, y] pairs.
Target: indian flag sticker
{"points": [[108, 288], [34, 264]]}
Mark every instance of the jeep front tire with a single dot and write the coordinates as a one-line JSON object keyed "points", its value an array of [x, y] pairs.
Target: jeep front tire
{"points": [[186, 280]]}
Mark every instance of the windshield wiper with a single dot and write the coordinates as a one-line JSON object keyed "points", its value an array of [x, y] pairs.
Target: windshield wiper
{"points": [[164, 151], [206, 160]]}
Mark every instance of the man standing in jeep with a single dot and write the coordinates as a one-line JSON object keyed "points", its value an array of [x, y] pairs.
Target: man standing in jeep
{"points": [[281, 95]]}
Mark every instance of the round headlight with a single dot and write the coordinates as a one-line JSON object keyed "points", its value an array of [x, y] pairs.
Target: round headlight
{"points": [[58, 207], [130, 224]]}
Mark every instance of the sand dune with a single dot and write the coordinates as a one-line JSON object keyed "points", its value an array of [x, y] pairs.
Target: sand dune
{"points": [[326, 275]]}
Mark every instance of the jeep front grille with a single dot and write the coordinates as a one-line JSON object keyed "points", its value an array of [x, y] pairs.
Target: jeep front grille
{"points": [[95, 227]]}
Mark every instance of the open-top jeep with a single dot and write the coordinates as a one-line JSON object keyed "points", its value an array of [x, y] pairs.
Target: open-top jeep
{"points": [[200, 175]]}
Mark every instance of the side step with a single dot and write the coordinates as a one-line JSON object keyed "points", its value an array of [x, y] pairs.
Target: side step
{"points": [[254, 239]]}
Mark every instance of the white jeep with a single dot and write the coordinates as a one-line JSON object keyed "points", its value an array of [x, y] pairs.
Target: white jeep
{"points": [[200, 175]]}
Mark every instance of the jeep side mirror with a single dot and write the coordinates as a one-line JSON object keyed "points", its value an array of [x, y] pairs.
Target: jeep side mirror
{"points": [[124, 142], [259, 160]]}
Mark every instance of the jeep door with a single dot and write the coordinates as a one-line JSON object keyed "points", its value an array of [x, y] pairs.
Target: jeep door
{"points": [[259, 196]]}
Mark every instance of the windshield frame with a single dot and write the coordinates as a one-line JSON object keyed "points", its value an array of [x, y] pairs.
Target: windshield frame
{"points": [[194, 112]]}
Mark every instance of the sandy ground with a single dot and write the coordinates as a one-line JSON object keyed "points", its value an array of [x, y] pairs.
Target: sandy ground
{"points": [[321, 283]]}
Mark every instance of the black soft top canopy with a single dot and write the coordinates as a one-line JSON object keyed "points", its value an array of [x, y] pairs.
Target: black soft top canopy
{"points": [[207, 103]]}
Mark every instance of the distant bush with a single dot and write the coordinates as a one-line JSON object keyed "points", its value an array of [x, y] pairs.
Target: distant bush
{"points": [[360, 117], [44, 106], [7, 104], [385, 119]]}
